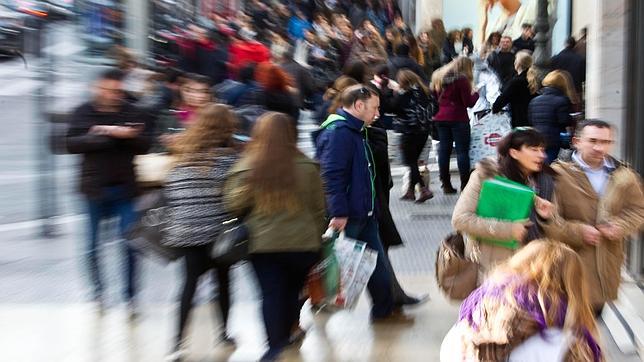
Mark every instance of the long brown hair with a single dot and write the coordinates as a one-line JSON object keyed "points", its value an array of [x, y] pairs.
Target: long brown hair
{"points": [[558, 274], [272, 153], [213, 128], [408, 79]]}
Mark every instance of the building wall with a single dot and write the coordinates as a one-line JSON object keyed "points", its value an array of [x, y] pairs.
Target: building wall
{"points": [[606, 65]]}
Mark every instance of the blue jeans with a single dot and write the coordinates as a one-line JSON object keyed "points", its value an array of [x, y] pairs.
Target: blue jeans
{"points": [[380, 283], [449, 133], [113, 202], [281, 277]]}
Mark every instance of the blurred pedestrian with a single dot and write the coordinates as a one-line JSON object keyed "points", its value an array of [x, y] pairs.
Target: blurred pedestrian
{"points": [[468, 41], [572, 62], [518, 92], [521, 159], [348, 172], [452, 46], [431, 54], [410, 105], [279, 93], [331, 99], [550, 111], [454, 92], [502, 60], [534, 307], [195, 211], [402, 60], [280, 191], [109, 132], [601, 202], [525, 41]]}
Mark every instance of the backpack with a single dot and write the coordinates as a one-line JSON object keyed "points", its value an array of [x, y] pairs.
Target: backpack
{"points": [[419, 114]]}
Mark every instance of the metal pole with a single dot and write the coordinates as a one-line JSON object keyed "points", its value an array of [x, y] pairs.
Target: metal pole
{"points": [[542, 28], [46, 183]]}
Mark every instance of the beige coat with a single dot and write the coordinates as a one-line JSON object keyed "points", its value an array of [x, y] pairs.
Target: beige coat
{"points": [[475, 228], [578, 204]]}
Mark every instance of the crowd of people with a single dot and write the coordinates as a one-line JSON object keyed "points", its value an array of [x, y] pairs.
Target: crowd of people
{"points": [[228, 117]]}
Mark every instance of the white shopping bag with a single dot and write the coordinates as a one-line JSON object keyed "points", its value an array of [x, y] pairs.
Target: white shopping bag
{"points": [[357, 262], [486, 132]]}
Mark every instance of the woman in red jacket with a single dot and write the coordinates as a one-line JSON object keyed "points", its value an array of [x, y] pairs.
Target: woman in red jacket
{"points": [[453, 87]]}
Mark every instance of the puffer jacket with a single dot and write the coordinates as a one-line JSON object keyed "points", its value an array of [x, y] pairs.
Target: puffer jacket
{"points": [[454, 99], [475, 228], [578, 204], [549, 113]]}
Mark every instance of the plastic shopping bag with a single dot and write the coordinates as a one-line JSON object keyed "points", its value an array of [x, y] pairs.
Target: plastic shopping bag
{"points": [[342, 275], [487, 129]]}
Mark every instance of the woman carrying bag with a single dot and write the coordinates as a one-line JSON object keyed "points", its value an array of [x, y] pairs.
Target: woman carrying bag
{"points": [[522, 160], [195, 210], [280, 191]]}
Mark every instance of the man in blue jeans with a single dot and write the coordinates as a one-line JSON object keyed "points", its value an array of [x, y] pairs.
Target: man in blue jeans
{"points": [[108, 133], [348, 172]]}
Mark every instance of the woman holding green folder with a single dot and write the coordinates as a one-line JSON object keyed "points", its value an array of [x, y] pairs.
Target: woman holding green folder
{"points": [[492, 210]]}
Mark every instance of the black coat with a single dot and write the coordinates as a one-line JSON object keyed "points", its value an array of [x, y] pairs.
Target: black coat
{"points": [[549, 113], [389, 234], [503, 65], [516, 93], [283, 102], [401, 62], [573, 63], [106, 161], [406, 107], [302, 78], [523, 44]]}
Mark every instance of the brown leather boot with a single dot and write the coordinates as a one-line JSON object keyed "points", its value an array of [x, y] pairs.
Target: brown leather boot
{"points": [[425, 194], [410, 195]]}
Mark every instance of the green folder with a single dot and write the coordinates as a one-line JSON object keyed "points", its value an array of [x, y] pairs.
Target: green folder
{"points": [[504, 199]]}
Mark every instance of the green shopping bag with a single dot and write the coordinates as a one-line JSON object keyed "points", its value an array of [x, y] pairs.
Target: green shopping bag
{"points": [[504, 199]]}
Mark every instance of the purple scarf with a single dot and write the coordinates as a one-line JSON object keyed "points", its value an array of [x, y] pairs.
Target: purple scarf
{"points": [[527, 299]]}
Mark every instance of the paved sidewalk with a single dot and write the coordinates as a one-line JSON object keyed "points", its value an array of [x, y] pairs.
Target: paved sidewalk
{"points": [[45, 316]]}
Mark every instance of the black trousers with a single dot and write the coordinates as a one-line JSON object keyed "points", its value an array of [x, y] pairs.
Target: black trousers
{"points": [[411, 145], [197, 262]]}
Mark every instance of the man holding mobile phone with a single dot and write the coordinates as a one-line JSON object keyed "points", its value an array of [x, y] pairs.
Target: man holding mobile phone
{"points": [[108, 133]]}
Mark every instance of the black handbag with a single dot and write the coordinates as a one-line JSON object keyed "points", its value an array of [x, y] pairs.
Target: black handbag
{"points": [[231, 246], [146, 234]]}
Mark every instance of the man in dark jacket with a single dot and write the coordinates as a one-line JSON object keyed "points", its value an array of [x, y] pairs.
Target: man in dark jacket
{"points": [[572, 63], [108, 133], [525, 41], [502, 61], [347, 167], [402, 60]]}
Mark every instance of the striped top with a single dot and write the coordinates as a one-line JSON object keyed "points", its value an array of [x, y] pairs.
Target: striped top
{"points": [[194, 192]]}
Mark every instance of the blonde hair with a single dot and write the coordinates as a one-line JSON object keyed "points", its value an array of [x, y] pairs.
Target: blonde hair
{"points": [[558, 275], [562, 80], [213, 128], [533, 80], [460, 66], [523, 60]]}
